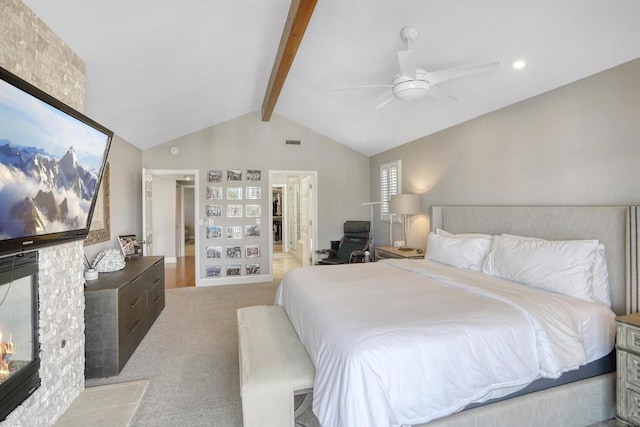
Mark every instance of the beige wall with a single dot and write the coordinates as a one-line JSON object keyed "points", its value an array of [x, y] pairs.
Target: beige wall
{"points": [[249, 143], [579, 144]]}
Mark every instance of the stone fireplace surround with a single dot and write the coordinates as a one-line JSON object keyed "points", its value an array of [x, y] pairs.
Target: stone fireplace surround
{"points": [[32, 51], [61, 337]]}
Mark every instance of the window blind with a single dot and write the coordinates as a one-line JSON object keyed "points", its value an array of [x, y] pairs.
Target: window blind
{"points": [[389, 186]]}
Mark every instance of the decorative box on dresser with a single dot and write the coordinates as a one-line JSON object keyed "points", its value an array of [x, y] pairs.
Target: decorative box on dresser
{"points": [[628, 367], [120, 307]]}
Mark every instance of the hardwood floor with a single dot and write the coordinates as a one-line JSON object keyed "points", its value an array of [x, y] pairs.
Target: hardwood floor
{"points": [[181, 274]]}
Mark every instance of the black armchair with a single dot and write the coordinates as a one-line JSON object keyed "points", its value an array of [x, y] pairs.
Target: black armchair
{"points": [[352, 246]]}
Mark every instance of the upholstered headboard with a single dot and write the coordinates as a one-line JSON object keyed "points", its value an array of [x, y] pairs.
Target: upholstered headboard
{"points": [[615, 226]]}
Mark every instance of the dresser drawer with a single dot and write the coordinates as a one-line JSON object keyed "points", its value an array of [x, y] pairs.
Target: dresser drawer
{"points": [[156, 300], [130, 342], [633, 407], [631, 338], [633, 370], [154, 273], [132, 305]]}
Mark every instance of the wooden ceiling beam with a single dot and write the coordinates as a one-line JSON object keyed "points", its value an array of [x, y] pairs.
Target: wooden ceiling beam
{"points": [[299, 16]]}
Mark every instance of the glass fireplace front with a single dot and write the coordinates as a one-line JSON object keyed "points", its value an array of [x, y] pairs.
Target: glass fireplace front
{"points": [[19, 361]]}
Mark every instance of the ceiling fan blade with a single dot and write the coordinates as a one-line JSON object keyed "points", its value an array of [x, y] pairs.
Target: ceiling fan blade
{"points": [[384, 103], [359, 87], [438, 92], [444, 75], [407, 64]]}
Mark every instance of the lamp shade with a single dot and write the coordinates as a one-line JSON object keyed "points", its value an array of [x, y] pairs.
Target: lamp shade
{"points": [[405, 204]]}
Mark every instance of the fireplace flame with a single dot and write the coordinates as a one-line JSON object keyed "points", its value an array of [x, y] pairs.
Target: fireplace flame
{"points": [[6, 349]]}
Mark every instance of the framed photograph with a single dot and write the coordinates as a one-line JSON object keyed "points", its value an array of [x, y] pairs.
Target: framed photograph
{"points": [[234, 252], [214, 210], [234, 193], [253, 211], [100, 230], [234, 232], [234, 211], [214, 232], [214, 193], [234, 175], [252, 251], [213, 270], [254, 175], [252, 268], [215, 175], [233, 269], [252, 230], [254, 193], [214, 251], [130, 246]]}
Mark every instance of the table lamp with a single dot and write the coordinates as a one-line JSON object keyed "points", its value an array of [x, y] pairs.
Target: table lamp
{"points": [[404, 205]]}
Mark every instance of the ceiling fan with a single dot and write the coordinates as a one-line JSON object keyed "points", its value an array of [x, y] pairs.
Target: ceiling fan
{"points": [[414, 83]]}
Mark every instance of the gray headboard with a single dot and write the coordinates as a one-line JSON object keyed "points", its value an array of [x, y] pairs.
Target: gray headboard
{"points": [[615, 226]]}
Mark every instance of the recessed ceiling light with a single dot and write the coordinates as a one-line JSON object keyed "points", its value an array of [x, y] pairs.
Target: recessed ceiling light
{"points": [[519, 64]]}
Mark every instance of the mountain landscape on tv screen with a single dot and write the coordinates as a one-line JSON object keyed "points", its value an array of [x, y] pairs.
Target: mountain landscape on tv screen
{"points": [[41, 194]]}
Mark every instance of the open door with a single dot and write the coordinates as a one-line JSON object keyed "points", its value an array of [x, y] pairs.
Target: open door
{"points": [[306, 219], [147, 217], [299, 223]]}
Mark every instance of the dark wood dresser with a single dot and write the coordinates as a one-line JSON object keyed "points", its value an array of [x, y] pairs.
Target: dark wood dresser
{"points": [[120, 307]]}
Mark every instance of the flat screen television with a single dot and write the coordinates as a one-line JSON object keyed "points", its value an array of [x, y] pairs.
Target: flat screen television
{"points": [[52, 158]]}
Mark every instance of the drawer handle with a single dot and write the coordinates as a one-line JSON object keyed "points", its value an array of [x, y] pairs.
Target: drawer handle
{"points": [[135, 326], [136, 302], [636, 340], [155, 301]]}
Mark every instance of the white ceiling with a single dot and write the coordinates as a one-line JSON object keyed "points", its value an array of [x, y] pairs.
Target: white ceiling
{"points": [[161, 69]]}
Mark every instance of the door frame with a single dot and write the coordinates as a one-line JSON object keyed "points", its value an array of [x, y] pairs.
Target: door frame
{"points": [[177, 173], [313, 211]]}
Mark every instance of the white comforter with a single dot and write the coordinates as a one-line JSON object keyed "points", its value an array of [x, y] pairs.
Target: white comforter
{"points": [[403, 342]]}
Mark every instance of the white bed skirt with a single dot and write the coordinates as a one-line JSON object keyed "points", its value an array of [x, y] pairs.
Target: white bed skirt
{"points": [[578, 404]]}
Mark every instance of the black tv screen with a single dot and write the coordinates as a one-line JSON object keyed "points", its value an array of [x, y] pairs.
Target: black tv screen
{"points": [[52, 158]]}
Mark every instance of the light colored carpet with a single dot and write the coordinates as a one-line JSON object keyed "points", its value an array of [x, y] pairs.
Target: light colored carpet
{"points": [[190, 356]]}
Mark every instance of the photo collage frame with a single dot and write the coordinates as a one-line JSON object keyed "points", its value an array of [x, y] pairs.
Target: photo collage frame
{"points": [[233, 213]]}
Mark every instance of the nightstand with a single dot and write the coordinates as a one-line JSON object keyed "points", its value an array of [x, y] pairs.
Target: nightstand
{"points": [[628, 367], [382, 252]]}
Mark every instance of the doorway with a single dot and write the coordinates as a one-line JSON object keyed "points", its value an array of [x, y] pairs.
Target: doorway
{"points": [[293, 219], [169, 222]]}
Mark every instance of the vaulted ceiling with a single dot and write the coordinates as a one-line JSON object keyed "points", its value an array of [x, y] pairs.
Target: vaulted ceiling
{"points": [[160, 69]]}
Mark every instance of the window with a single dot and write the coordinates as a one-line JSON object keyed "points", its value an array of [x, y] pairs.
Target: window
{"points": [[389, 186]]}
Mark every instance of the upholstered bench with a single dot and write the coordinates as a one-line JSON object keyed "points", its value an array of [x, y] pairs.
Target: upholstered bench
{"points": [[274, 366]]}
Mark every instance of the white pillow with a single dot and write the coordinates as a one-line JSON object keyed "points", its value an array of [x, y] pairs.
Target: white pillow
{"points": [[561, 266], [442, 232], [460, 252], [600, 289], [600, 285]]}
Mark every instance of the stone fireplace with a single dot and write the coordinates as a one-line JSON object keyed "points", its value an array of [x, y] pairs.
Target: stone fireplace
{"points": [[19, 349], [60, 336]]}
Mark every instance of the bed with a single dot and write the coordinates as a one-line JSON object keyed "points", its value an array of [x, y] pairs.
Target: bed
{"points": [[381, 360]]}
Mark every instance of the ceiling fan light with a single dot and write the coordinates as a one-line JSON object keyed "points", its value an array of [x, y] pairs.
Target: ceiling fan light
{"points": [[408, 90], [410, 94]]}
